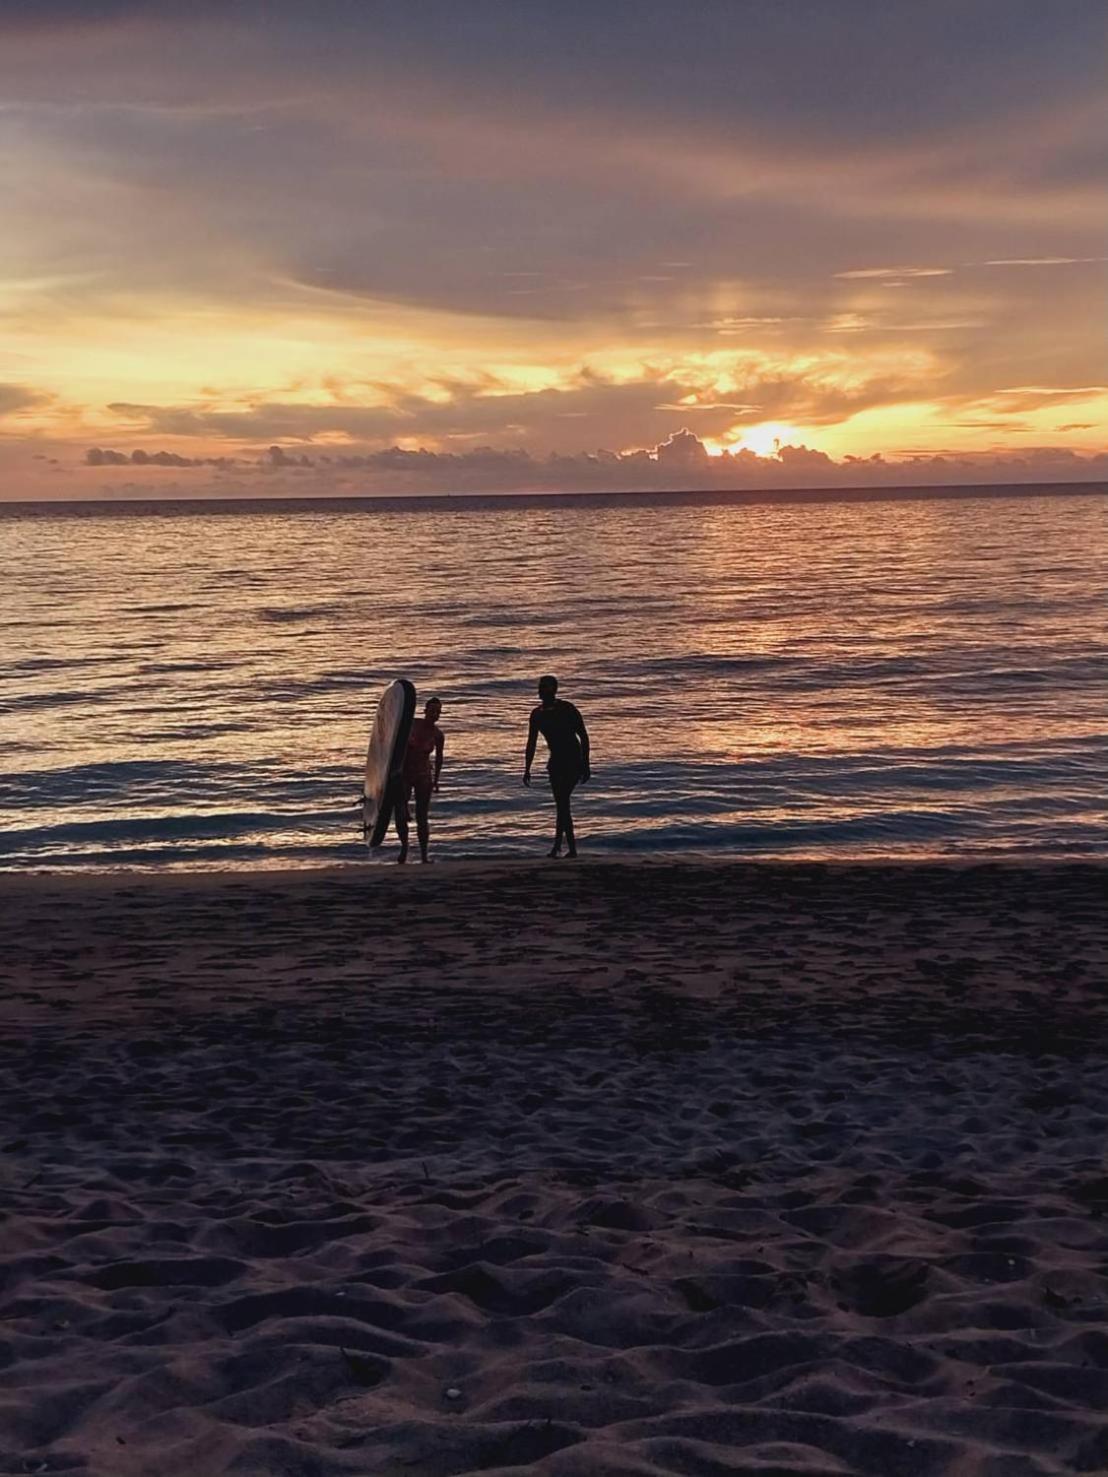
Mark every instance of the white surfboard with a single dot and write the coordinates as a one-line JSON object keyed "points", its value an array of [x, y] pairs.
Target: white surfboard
{"points": [[384, 760]]}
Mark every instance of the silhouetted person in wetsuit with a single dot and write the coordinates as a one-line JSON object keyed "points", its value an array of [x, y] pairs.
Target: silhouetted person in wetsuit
{"points": [[563, 728]]}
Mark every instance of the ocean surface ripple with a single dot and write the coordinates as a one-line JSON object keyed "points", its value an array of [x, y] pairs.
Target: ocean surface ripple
{"points": [[914, 677]]}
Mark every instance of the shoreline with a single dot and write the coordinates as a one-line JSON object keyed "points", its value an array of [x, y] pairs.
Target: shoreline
{"points": [[494, 865]]}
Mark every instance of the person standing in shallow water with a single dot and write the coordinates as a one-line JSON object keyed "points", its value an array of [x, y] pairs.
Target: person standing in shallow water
{"points": [[417, 777], [563, 728]]}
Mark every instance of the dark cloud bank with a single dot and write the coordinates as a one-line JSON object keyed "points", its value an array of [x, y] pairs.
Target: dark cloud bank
{"points": [[680, 463]]}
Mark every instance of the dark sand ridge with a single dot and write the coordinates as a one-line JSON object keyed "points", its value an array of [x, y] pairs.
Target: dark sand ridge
{"points": [[631, 1168]]}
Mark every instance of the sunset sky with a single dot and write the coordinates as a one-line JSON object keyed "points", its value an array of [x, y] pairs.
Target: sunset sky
{"points": [[450, 244]]}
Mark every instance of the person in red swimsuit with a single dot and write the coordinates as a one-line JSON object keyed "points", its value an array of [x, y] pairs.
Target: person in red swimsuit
{"points": [[417, 777]]}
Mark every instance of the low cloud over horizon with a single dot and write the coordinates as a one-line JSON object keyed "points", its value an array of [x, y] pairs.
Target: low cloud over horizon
{"points": [[681, 463]]}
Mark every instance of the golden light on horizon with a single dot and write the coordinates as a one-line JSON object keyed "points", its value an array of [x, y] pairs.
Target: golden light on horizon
{"points": [[767, 438]]}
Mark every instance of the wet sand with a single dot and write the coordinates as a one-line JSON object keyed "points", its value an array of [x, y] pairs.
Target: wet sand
{"points": [[651, 1167]]}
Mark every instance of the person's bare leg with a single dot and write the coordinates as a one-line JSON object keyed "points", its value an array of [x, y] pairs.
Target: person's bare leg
{"points": [[564, 831], [567, 826], [402, 821], [559, 830], [423, 821]]}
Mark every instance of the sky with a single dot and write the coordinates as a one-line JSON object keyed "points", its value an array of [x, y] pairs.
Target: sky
{"points": [[264, 247]]}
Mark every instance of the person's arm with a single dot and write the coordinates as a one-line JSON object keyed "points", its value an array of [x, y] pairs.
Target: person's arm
{"points": [[532, 741], [583, 735], [439, 745]]}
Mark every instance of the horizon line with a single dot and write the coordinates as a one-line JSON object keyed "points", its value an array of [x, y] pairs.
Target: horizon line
{"points": [[907, 492]]}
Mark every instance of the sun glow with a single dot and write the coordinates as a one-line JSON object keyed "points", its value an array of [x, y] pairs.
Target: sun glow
{"points": [[766, 439]]}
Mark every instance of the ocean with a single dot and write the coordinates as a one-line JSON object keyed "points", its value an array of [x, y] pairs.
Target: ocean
{"points": [[192, 685]]}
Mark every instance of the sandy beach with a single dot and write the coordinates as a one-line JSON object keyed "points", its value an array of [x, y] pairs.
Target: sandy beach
{"points": [[643, 1168]]}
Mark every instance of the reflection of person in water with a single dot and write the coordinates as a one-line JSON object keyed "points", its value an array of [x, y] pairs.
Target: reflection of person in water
{"points": [[417, 778], [563, 728]]}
